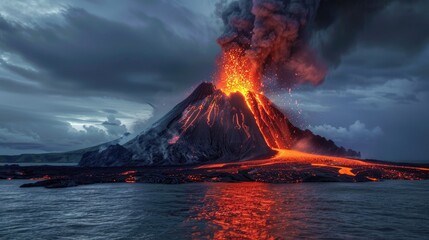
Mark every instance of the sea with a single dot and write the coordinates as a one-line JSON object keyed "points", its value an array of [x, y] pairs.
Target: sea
{"points": [[371, 210]]}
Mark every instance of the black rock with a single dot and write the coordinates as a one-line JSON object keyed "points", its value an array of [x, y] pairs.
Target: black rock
{"points": [[212, 126]]}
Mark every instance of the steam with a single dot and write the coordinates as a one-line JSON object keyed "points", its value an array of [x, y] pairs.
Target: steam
{"points": [[273, 34]]}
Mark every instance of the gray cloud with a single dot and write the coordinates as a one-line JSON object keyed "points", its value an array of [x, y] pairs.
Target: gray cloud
{"points": [[356, 131], [114, 126], [34, 132], [341, 25], [356, 135], [87, 50], [72, 64], [44, 123]]}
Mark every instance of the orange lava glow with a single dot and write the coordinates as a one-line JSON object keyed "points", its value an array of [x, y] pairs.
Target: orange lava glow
{"points": [[343, 170], [272, 125], [344, 165], [237, 73], [130, 179], [128, 172], [372, 179], [248, 207]]}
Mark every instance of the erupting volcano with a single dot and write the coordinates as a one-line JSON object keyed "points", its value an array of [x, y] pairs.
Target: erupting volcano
{"points": [[231, 131], [227, 129], [229, 121]]}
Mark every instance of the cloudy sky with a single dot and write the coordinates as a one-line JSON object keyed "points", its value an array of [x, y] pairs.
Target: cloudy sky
{"points": [[81, 72]]}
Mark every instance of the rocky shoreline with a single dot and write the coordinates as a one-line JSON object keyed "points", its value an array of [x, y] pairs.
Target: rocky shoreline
{"points": [[70, 176]]}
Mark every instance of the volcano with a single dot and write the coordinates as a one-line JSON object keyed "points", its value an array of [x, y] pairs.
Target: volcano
{"points": [[211, 125]]}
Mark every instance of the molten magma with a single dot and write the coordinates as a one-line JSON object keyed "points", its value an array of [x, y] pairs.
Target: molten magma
{"points": [[237, 73]]}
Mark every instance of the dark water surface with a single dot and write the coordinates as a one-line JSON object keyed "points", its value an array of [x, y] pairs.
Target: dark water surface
{"points": [[383, 210]]}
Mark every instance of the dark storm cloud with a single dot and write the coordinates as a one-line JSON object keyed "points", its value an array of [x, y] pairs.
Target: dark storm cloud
{"points": [[24, 72], [11, 85], [90, 53], [375, 66], [403, 26], [368, 43], [63, 72], [176, 18], [341, 25]]}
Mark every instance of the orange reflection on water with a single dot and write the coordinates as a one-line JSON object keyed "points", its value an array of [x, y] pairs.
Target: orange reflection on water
{"points": [[241, 211]]}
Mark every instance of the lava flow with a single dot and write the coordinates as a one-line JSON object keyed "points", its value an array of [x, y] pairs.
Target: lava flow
{"points": [[232, 132], [237, 74]]}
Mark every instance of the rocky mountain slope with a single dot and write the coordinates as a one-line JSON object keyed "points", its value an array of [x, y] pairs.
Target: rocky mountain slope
{"points": [[211, 126]]}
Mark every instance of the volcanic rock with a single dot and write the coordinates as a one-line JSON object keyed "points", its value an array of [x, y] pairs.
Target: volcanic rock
{"points": [[210, 125], [206, 126]]}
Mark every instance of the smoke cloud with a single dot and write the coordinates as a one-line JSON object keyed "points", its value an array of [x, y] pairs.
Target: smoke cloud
{"points": [[280, 36], [274, 34]]}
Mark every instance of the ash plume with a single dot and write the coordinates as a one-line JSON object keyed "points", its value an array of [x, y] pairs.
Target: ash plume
{"points": [[273, 34], [276, 34]]}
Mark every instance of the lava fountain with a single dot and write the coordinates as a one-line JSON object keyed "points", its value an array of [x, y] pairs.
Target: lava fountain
{"points": [[238, 74]]}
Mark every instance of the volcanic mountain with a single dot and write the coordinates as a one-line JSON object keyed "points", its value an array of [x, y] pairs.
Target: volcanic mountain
{"points": [[213, 126]]}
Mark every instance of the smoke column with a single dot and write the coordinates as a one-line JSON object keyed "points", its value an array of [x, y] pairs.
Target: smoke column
{"points": [[272, 35]]}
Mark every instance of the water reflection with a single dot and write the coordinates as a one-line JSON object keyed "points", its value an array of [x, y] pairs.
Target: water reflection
{"points": [[246, 211]]}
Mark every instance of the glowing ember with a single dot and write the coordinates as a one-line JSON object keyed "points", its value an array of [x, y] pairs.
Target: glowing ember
{"points": [[128, 172], [372, 179], [131, 179], [237, 73], [342, 170], [342, 166], [174, 139]]}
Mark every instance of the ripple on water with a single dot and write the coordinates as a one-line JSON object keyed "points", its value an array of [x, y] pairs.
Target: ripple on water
{"points": [[386, 210]]}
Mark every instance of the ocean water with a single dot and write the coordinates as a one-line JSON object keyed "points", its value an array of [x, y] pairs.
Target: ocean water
{"points": [[373, 210]]}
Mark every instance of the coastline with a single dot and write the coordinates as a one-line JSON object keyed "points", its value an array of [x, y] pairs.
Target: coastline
{"points": [[247, 171]]}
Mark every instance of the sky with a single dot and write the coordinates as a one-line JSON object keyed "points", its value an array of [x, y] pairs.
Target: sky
{"points": [[76, 73]]}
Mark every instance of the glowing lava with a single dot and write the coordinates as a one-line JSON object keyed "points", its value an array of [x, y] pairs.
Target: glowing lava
{"points": [[300, 161], [236, 73]]}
